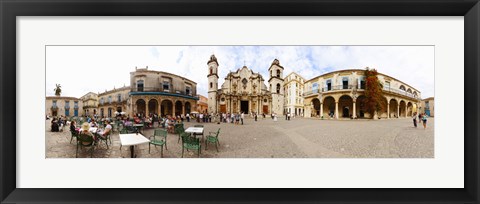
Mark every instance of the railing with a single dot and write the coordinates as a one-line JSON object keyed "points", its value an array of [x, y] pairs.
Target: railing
{"points": [[399, 91], [338, 87], [308, 93], [158, 89]]}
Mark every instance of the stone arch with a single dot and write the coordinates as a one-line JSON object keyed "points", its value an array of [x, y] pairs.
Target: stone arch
{"points": [[409, 90], [383, 112], [278, 88], [166, 107], [393, 108], [188, 107], [178, 108], [402, 87], [361, 106], [141, 105], [316, 107], [409, 108], [403, 108], [345, 106], [328, 106], [153, 106]]}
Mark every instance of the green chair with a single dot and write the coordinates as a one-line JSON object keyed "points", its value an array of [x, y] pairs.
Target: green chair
{"points": [[191, 143], [180, 130], [105, 138], [84, 140], [159, 138], [212, 137], [74, 135], [178, 127]]}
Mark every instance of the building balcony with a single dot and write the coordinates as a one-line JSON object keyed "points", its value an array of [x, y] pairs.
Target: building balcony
{"points": [[161, 91], [400, 92]]}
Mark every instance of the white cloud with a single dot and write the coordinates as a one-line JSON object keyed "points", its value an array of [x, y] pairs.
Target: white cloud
{"points": [[81, 69]]}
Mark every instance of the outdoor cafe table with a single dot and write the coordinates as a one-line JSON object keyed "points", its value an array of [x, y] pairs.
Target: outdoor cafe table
{"points": [[138, 126], [92, 130], [132, 140], [195, 130]]}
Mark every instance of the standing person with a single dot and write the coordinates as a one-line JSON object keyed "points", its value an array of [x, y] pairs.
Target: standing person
{"points": [[424, 120], [255, 116], [274, 117], [188, 117], [288, 115], [415, 119], [242, 116]]}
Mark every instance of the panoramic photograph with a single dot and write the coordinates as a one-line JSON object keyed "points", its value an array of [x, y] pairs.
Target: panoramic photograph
{"points": [[239, 102]]}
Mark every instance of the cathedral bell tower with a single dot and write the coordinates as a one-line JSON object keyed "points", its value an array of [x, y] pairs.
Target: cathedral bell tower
{"points": [[212, 84], [276, 86]]}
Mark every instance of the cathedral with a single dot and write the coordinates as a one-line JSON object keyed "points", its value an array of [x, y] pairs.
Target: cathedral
{"points": [[245, 91]]}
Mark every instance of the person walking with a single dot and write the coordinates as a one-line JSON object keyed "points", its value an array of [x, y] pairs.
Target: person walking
{"points": [[241, 117], [424, 120], [255, 116], [415, 119]]}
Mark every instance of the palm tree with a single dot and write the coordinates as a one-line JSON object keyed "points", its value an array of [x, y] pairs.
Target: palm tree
{"points": [[57, 90]]}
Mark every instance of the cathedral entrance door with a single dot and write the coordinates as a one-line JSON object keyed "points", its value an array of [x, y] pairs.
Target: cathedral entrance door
{"points": [[265, 109], [244, 106], [223, 109]]}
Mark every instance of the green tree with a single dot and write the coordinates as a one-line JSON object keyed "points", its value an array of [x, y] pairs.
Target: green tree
{"points": [[373, 92], [57, 90]]}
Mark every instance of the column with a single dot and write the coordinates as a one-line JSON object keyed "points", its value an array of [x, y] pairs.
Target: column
{"points": [[406, 111], [354, 109], [388, 110], [146, 106], [336, 109], [398, 110], [173, 109], [159, 107], [183, 108], [321, 110]]}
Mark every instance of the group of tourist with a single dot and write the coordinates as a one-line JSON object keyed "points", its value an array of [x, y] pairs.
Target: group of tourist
{"points": [[235, 118], [422, 117]]}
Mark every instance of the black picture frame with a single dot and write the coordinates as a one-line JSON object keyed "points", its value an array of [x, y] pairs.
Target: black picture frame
{"points": [[10, 9]]}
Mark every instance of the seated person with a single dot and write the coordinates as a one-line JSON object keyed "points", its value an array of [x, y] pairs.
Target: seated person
{"points": [[93, 123], [170, 125], [54, 127], [86, 131], [72, 126], [107, 130]]}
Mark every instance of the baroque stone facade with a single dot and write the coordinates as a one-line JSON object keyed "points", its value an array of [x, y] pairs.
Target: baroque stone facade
{"points": [[245, 91]]}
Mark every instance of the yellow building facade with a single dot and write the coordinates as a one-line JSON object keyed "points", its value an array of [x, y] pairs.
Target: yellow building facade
{"points": [[340, 94], [161, 93], [113, 101], [63, 106]]}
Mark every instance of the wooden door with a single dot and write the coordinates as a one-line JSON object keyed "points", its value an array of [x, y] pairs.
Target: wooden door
{"points": [[223, 108], [265, 109]]}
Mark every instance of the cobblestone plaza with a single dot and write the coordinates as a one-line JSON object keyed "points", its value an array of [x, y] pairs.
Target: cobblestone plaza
{"points": [[265, 138]]}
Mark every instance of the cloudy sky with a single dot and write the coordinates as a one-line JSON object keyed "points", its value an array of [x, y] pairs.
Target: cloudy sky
{"points": [[81, 69]]}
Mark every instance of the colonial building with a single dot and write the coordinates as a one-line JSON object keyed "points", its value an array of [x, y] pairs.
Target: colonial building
{"points": [[90, 104], [428, 105], [245, 91], [157, 92], [63, 106], [294, 94], [202, 104], [112, 101], [341, 94]]}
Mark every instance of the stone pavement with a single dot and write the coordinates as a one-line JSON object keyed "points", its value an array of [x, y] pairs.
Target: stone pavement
{"points": [[297, 138]]}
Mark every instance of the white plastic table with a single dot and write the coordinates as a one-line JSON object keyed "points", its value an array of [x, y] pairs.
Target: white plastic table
{"points": [[195, 130], [131, 140]]}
